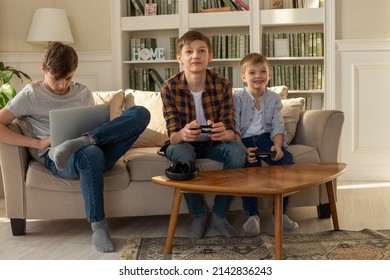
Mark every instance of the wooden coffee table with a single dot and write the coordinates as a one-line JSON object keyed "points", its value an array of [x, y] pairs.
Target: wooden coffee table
{"points": [[275, 181]]}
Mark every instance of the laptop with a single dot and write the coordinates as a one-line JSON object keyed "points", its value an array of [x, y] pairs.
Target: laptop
{"points": [[70, 123]]}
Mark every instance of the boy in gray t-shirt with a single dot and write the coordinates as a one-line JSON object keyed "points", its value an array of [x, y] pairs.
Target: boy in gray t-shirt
{"points": [[85, 157]]}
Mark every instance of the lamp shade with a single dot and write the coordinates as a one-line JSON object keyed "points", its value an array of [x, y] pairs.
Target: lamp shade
{"points": [[48, 25]]}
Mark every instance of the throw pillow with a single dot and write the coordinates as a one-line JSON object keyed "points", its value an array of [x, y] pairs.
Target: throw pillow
{"points": [[281, 90], [115, 98], [156, 132], [291, 113]]}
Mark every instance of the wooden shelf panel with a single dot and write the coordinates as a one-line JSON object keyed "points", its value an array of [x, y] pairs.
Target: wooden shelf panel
{"points": [[292, 16]]}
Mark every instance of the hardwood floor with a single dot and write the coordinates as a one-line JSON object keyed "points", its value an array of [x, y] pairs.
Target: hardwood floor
{"points": [[359, 206]]}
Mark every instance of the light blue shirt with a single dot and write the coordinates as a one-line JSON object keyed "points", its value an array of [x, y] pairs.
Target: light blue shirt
{"points": [[271, 112]]}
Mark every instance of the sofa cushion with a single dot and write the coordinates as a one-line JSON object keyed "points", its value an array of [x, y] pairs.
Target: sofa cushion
{"points": [[115, 98], [144, 163], [303, 153], [291, 112], [156, 132], [39, 177]]}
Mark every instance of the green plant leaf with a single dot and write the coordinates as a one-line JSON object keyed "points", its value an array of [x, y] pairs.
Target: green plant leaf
{"points": [[8, 90]]}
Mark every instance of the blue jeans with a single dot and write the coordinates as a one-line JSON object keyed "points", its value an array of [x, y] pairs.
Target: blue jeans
{"points": [[113, 140], [232, 154], [263, 142]]}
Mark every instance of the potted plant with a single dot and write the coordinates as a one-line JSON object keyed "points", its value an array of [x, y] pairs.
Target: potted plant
{"points": [[7, 91]]}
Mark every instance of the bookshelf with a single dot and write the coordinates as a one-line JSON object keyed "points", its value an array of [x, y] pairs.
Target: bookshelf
{"points": [[233, 26]]}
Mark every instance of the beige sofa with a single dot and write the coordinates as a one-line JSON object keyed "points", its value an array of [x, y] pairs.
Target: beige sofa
{"points": [[31, 192]]}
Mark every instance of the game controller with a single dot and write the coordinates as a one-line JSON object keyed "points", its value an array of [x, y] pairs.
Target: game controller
{"points": [[264, 154], [205, 128]]}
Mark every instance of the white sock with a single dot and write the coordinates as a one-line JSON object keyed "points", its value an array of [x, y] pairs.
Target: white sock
{"points": [[252, 225], [287, 222]]}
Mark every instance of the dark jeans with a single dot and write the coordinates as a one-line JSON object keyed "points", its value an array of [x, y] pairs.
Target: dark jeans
{"points": [[113, 140], [263, 142], [232, 154]]}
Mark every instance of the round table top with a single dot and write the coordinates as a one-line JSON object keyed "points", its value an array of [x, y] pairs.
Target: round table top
{"points": [[255, 181]]}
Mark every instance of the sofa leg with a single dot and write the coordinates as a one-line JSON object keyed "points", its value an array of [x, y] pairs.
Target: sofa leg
{"points": [[18, 226], [323, 211]]}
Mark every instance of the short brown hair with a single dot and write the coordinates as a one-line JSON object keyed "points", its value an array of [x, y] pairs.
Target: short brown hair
{"points": [[253, 59], [190, 36], [60, 59]]}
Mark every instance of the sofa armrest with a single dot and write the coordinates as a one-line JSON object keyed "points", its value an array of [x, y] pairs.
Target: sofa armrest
{"points": [[321, 129], [14, 162]]}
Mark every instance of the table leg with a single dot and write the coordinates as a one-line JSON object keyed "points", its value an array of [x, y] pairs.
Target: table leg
{"points": [[332, 204], [278, 220], [173, 220]]}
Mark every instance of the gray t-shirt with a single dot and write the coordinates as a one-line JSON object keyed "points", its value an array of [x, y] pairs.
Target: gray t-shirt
{"points": [[35, 101]]}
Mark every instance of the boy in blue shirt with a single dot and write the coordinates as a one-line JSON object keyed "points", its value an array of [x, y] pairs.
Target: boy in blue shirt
{"points": [[260, 125]]}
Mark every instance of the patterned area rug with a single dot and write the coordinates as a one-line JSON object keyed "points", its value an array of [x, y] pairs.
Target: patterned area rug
{"points": [[331, 245]]}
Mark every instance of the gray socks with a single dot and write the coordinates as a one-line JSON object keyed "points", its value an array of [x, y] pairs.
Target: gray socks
{"points": [[252, 225], [197, 227], [222, 225], [61, 153], [101, 237]]}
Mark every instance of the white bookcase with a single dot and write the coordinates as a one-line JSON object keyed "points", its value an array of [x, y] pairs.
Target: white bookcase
{"points": [[258, 20]]}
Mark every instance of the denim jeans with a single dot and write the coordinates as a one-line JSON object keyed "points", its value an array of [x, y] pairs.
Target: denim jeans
{"points": [[263, 142], [232, 154], [112, 140]]}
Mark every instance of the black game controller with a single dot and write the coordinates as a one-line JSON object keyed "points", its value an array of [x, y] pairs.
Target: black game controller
{"points": [[264, 154], [205, 128]]}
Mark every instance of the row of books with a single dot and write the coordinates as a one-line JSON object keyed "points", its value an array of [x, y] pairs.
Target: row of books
{"points": [[152, 7], [223, 46], [199, 6], [149, 79], [230, 46], [298, 76], [298, 44]]}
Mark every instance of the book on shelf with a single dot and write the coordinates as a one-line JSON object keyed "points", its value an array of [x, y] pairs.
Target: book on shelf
{"points": [[281, 47], [156, 78], [173, 47], [139, 8]]}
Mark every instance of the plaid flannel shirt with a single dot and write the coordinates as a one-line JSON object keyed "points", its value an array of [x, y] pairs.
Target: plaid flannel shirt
{"points": [[179, 105]]}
